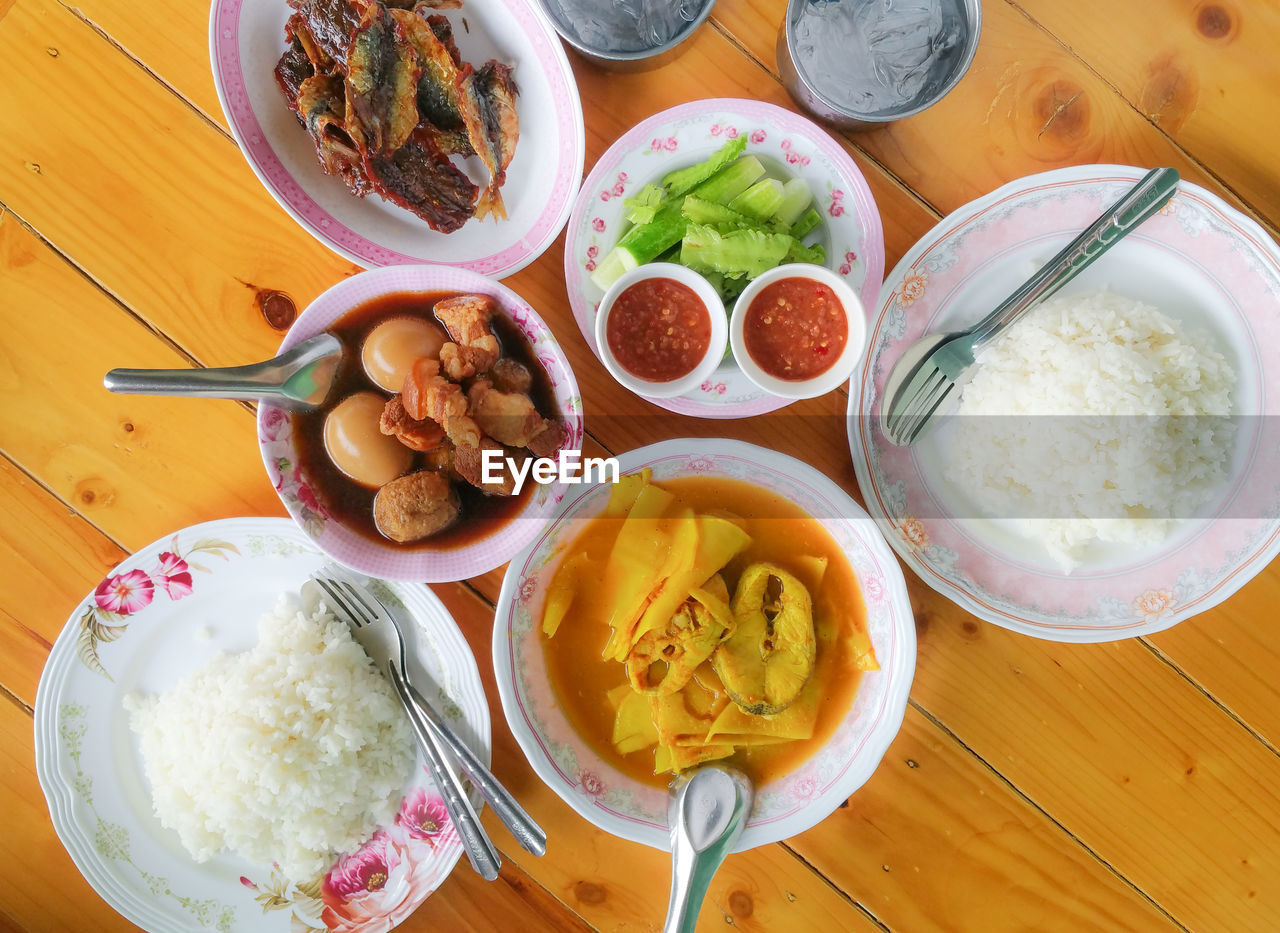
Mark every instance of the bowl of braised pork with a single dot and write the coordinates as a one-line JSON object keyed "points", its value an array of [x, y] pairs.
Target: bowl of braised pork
{"points": [[420, 463]]}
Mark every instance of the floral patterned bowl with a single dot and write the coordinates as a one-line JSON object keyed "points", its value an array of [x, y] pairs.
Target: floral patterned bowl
{"points": [[789, 805], [384, 559], [790, 146], [1200, 261]]}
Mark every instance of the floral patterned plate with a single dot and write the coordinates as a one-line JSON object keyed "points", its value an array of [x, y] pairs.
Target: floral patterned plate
{"points": [[383, 559], [246, 39], [163, 613], [790, 146], [1200, 261], [621, 805]]}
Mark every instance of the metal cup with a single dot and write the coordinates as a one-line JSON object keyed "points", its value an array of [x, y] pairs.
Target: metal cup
{"points": [[819, 94], [600, 46]]}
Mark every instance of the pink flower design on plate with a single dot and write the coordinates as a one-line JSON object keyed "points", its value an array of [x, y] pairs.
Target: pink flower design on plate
{"points": [[593, 252], [845, 268], [758, 136], [591, 265], [528, 587], [913, 531], [851, 256], [423, 816], [715, 388], [275, 424], [873, 587], [700, 464], [366, 886], [731, 133], [716, 129], [805, 788], [591, 783], [913, 287], [1152, 604], [836, 209], [598, 225], [125, 593], [173, 575]]}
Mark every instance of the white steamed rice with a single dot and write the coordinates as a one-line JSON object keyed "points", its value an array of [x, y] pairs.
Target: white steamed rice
{"points": [[291, 752], [1071, 481]]}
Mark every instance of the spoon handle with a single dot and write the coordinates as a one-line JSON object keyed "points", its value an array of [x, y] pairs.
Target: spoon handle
{"points": [[1142, 201], [244, 382], [691, 874], [528, 833]]}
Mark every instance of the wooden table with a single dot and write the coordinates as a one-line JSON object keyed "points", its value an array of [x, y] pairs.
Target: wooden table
{"points": [[1130, 786]]}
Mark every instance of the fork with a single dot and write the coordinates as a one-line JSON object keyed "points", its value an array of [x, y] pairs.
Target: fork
{"points": [[374, 620], [913, 396], [376, 641]]}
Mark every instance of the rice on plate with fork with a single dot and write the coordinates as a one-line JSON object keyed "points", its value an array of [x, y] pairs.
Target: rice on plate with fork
{"points": [[1094, 418], [291, 752]]}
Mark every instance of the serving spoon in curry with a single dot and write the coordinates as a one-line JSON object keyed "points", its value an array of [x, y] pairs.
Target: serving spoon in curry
{"points": [[299, 378]]}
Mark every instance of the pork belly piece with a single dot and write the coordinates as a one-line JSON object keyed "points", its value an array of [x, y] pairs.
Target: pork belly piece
{"points": [[382, 83], [474, 348], [427, 394], [488, 101], [420, 178], [415, 506], [507, 417], [322, 109], [508, 375], [416, 434], [548, 441], [468, 462]]}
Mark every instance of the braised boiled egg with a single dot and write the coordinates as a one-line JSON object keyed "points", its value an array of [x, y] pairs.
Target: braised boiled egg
{"points": [[357, 447], [392, 347]]}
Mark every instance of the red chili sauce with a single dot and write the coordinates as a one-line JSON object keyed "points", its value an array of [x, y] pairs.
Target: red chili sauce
{"points": [[658, 330], [795, 329]]}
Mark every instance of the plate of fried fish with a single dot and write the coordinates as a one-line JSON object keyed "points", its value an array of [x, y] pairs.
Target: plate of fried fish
{"points": [[443, 131]]}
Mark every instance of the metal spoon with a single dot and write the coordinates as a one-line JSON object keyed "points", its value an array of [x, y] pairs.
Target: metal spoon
{"points": [[707, 814], [300, 377]]}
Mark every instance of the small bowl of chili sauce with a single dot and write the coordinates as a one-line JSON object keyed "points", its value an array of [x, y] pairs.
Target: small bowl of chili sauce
{"points": [[798, 331], [661, 330]]}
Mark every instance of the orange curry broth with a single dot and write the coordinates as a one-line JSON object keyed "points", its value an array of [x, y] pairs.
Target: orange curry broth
{"points": [[580, 677]]}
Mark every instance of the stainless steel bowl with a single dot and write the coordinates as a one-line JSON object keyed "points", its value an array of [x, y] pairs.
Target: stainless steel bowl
{"points": [[587, 27], [826, 93]]}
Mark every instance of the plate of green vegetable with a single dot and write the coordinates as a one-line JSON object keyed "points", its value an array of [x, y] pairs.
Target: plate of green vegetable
{"points": [[729, 188]]}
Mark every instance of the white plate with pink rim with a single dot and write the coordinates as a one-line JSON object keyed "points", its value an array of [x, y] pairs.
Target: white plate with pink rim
{"points": [[246, 39], [383, 558], [789, 146], [785, 807], [1201, 262], [164, 612]]}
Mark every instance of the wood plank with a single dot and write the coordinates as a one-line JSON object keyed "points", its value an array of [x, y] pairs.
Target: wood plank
{"points": [[1204, 73], [201, 237], [933, 833], [1028, 105], [1232, 653], [1124, 753], [137, 466], [49, 558]]}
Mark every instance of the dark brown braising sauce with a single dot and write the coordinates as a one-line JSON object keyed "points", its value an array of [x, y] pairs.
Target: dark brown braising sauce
{"points": [[352, 504]]}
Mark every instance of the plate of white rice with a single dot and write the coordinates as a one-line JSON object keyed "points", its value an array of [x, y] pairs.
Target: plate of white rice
{"points": [[218, 753], [1111, 468]]}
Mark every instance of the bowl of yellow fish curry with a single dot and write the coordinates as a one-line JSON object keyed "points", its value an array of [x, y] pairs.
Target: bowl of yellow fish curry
{"points": [[730, 604]]}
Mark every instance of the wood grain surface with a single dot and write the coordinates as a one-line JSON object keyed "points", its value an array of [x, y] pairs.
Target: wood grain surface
{"points": [[1033, 786]]}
